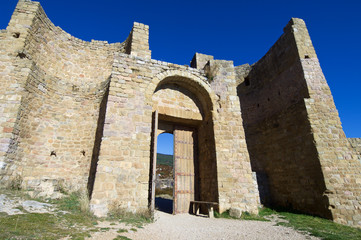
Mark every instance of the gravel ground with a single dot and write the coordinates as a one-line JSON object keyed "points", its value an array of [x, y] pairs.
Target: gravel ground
{"points": [[185, 226], [175, 227]]}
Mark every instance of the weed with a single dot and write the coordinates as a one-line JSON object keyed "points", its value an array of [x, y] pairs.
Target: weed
{"points": [[266, 212], [21, 208], [122, 230], [15, 183], [223, 215], [121, 238], [134, 219], [84, 202], [253, 217], [134, 229], [76, 202]]}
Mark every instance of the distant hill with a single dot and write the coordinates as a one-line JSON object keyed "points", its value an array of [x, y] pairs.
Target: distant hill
{"points": [[164, 159]]}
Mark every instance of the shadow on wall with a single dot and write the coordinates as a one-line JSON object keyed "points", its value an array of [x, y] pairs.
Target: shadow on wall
{"points": [[98, 139]]}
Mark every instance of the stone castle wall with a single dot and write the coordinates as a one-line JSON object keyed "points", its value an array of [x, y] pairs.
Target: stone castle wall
{"points": [[278, 133], [124, 159], [65, 82], [293, 132], [79, 115], [356, 144]]}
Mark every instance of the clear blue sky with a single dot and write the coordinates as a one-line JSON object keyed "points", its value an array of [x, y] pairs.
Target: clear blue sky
{"points": [[165, 143], [241, 31]]}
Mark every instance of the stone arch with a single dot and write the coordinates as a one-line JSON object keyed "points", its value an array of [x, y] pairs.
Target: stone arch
{"points": [[192, 136], [196, 84]]}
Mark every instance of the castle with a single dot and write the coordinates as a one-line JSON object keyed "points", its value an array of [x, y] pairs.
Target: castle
{"points": [[86, 116]]}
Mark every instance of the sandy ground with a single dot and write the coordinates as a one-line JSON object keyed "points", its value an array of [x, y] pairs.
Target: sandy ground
{"points": [[168, 226], [185, 226]]}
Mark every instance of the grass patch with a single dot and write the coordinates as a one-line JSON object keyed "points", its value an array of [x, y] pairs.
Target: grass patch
{"points": [[74, 223], [253, 217], [134, 219], [122, 230], [38, 226], [223, 215], [244, 216], [122, 238], [266, 212], [318, 227], [74, 202]]}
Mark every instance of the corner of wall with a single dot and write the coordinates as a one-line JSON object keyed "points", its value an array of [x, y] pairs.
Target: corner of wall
{"points": [[16, 67], [338, 161], [297, 27], [199, 60], [137, 43]]}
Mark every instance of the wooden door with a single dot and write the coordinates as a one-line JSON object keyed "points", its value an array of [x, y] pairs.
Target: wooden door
{"points": [[154, 161], [184, 159]]}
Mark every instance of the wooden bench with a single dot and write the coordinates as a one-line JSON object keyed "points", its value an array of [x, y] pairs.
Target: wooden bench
{"points": [[195, 205]]}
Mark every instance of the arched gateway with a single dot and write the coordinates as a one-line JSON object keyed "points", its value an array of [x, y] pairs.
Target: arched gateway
{"points": [[182, 106]]}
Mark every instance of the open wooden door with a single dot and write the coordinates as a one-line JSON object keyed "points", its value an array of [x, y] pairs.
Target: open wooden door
{"points": [[154, 161], [184, 159]]}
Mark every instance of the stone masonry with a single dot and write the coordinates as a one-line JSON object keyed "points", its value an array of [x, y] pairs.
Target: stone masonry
{"points": [[79, 115]]}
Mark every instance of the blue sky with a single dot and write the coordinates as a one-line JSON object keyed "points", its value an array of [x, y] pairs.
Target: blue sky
{"points": [[241, 31]]}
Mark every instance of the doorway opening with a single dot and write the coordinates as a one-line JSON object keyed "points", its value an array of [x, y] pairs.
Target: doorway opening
{"points": [[164, 182], [184, 109]]}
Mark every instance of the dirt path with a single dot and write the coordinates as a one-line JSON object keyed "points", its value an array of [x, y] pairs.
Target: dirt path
{"points": [[185, 226], [168, 226]]}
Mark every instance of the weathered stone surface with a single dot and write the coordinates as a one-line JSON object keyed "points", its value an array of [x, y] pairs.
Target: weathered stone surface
{"points": [[235, 212], [294, 136], [78, 115]]}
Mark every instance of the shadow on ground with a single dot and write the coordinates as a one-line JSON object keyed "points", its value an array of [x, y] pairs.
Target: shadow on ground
{"points": [[164, 205]]}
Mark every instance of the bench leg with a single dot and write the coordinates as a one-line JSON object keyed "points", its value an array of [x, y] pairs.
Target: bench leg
{"points": [[210, 212], [197, 209]]}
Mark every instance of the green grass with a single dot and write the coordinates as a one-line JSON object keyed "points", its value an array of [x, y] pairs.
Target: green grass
{"points": [[39, 226], [318, 227], [253, 217], [75, 223], [244, 216], [223, 215], [133, 219], [121, 238], [122, 230], [70, 219]]}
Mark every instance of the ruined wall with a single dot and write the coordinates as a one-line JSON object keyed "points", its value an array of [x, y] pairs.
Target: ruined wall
{"points": [[79, 114], [278, 133], [14, 72], [293, 132], [236, 185], [60, 96], [339, 161], [355, 144]]}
